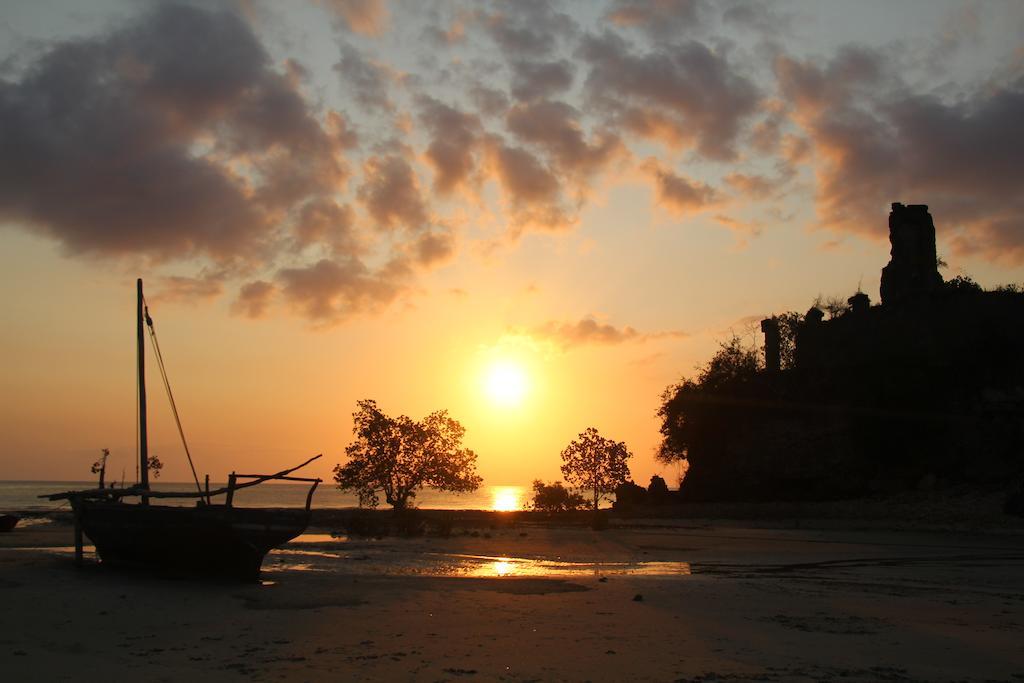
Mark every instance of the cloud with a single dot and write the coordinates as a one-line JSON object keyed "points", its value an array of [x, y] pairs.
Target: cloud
{"points": [[683, 93], [391, 193], [455, 137], [960, 29], [369, 17], [324, 221], [877, 139], [744, 227], [528, 27], [753, 185], [533, 80], [434, 248], [533, 190], [367, 80], [208, 285], [555, 127], [657, 18], [588, 331], [489, 101], [678, 193], [761, 18], [253, 299], [332, 290], [545, 179], [170, 137]]}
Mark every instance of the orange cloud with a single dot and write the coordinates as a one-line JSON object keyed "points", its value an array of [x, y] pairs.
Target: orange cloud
{"points": [[253, 299], [678, 193], [588, 331], [368, 17]]}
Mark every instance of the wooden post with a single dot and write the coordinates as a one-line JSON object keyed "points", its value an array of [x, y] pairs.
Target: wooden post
{"points": [[78, 540], [231, 489], [208, 490], [309, 496]]}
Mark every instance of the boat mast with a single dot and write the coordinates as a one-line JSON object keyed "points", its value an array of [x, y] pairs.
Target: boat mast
{"points": [[143, 443]]}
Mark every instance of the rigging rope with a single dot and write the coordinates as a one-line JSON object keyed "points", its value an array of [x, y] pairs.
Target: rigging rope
{"points": [[170, 396]]}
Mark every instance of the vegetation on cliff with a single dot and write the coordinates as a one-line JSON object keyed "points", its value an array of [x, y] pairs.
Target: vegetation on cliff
{"points": [[926, 392]]}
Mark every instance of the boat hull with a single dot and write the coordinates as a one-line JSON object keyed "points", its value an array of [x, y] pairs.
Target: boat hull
{"points": [[209, 540]]}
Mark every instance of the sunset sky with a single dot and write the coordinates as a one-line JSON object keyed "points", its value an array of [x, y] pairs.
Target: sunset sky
{"points": [[536, 215]]}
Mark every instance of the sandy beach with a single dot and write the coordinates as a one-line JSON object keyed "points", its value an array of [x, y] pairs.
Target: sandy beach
{"points": [[660, 601]]}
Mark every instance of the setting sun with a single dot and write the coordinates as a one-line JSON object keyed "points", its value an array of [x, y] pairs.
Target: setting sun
{"points": [[506, 498], [505, 383]]}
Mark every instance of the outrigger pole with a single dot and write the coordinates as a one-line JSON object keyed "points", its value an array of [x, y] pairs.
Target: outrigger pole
{"points": [[143, 442]]}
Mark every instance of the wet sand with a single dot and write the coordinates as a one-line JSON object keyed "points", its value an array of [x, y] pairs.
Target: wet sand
{"points": [[684, 601]]}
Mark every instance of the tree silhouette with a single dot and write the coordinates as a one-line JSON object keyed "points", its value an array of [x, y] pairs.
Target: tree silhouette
{"points": [[657, 490], [688, 407], [555, 497], [399, 456], [594, 463]]}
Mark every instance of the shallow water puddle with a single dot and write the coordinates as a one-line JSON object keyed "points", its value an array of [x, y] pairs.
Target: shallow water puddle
{"points": [[407, 562], [318, 538], [479, 566], [303, 553]]}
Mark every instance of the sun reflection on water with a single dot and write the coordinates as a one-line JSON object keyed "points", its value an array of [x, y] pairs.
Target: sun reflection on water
{"points": [[506, 498], [490, 567], [502, 567]]}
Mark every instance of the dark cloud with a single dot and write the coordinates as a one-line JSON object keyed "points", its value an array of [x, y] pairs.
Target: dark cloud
{"points": [[523, 176], [324, 221], [555, 127], [762, 18], [532, 80], [678, 193], [253, 299], [533, 190], [391, 193], [434, 248], [682, 93], [455, 137], [876, 140], [657, 18], [447, 24], [368, 81], [172, 136], [766, 134], [855, 73], [531, 28], [489, 101], [329, 291]]}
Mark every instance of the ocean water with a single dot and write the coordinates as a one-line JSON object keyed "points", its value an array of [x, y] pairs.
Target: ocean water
{"points": [[23, 495]]}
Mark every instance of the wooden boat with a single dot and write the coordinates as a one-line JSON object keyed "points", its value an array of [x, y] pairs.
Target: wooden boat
{"points": [[207, 539]]}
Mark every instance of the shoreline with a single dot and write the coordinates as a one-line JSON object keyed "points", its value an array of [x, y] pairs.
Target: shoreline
{"points": [[979, 512], [725, 603]]}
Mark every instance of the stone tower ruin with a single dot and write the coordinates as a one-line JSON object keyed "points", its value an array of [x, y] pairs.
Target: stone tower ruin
{"points": [[913, 265]]}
